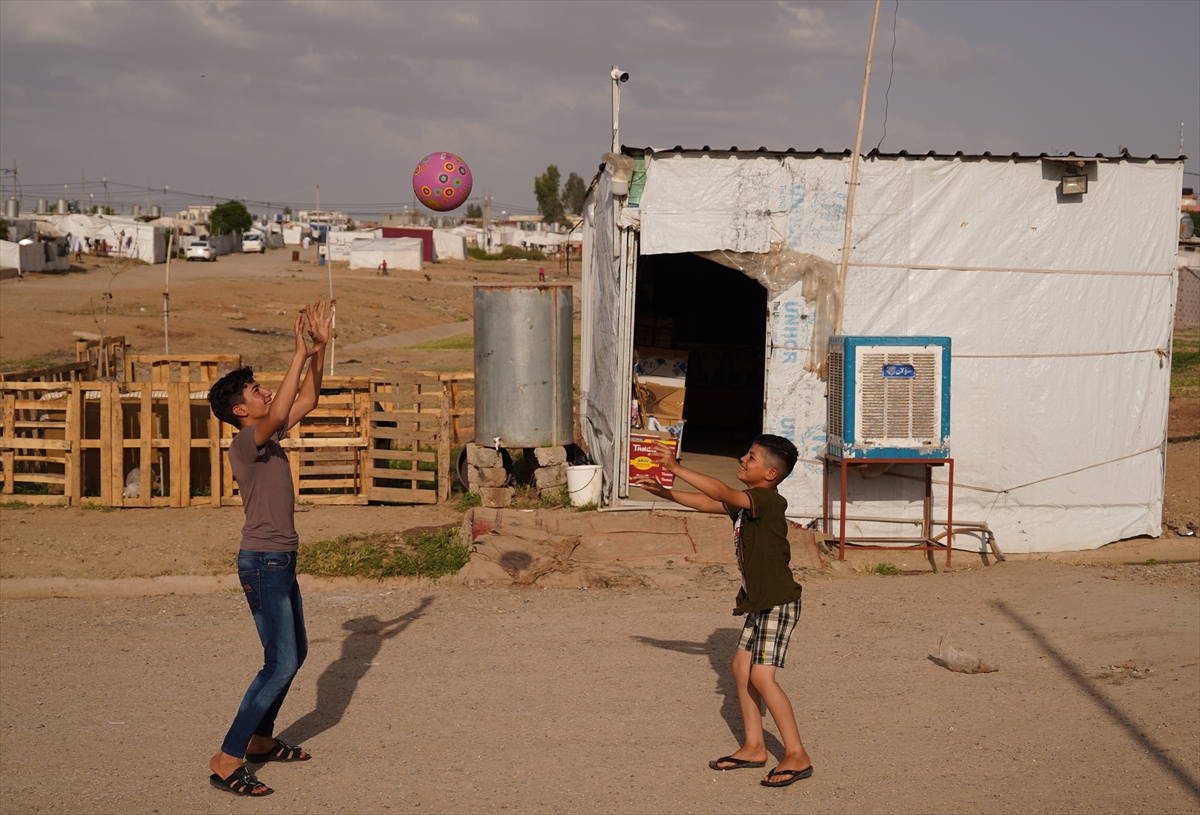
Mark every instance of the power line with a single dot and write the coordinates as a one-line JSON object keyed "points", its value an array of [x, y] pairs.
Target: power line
{"points": [[887, 94]]}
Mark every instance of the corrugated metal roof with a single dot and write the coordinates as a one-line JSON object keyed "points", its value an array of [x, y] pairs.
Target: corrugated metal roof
{"points": [[1125, 155]]}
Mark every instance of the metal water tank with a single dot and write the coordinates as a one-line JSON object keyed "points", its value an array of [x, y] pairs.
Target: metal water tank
{"points": [[155, 211], [523, 365], [12, 208], [63, 207], [137, 211], [43, 207]]}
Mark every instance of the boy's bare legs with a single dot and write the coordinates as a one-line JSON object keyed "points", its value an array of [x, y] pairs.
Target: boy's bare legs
{"points": [[750, 701], [762, 680]]}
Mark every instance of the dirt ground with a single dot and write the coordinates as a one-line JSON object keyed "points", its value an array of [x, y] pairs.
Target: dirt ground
{"points": [[436, 697], [254, 288], [439, 698]]}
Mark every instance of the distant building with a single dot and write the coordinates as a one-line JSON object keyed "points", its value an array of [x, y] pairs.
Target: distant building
{"points": [[196, 212], [323, 216]]}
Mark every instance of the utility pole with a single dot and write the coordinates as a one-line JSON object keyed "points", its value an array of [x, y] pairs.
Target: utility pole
{"points": [[862, 112], [487, 220]]}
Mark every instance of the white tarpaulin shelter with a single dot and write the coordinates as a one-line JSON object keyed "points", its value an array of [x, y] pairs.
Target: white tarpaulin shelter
{"points": [[1059, 308], [448, 246], [146, 242], [339, 242], [400, 253]]}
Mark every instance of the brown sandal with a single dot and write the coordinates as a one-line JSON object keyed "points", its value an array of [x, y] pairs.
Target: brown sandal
{"points": [[280, 752], [240, 782]]}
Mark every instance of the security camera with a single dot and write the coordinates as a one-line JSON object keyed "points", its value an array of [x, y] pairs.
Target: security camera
{"points": [[619, 75]]}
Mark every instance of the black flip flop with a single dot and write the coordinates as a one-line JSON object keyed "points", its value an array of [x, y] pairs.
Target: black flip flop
{"points": [[793, 777], [240, 782], [735, 764], [280, 752]]}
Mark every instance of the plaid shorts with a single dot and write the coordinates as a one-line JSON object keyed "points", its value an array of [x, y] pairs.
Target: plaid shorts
{"points": [[766, 634]]}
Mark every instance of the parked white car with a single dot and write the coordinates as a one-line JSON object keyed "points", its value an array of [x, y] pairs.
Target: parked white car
{"points": [[253, 242], [200, 250]]}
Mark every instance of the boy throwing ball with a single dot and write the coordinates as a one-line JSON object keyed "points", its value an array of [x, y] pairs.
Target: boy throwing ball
{"points": [[769, 597], [267, 556]]}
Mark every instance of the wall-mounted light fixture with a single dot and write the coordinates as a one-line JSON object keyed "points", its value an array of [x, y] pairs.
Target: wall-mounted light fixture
{"points": [[1074, 184]]}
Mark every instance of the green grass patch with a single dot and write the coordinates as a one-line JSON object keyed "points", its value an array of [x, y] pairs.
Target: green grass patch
{"points": [[507, 253], [1150, 562], [379, 555], [97, 507], [1185, 363], [463, 343], [469, 500], [30, 364], [14, 505], [887, 569]]}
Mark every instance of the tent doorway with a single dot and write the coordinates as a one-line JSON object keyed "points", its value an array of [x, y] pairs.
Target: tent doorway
{"points": [[689, 308]]}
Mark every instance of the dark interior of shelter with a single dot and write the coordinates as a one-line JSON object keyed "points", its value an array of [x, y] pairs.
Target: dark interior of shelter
{"points": [[690, 308]]}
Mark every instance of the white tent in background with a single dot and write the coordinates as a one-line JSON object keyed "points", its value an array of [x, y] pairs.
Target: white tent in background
{"points": [[448, 246], [339, 243], [1059, 307], [400, 253], [146, 242]]}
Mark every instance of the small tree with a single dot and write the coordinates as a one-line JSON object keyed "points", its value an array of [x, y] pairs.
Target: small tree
{"points": [[474, 211], [229, 218], [287, 213], [545, 188], [572, 194]]}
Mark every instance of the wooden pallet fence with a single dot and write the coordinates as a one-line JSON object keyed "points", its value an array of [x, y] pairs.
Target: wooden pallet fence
{"points": [[39, 442], [408, 455], [106, 358], [384, 438], [458, 399], [182, 367]]}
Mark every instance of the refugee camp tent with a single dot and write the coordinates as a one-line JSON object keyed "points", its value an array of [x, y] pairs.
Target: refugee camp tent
{"points": [[146, 242], [449, 246], [338, 243], [1059, 307], [400, 253]]}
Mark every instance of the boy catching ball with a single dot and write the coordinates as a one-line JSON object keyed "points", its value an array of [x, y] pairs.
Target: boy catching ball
{"points": [[769, 597]]}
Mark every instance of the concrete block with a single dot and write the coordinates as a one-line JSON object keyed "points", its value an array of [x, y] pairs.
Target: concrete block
{"points": [[483, 456], [488, 477], [554, 476], [496, 496], [550, 456]]}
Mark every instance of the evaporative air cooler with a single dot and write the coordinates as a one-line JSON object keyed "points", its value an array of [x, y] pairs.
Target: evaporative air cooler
{"points": [[889, 397]]}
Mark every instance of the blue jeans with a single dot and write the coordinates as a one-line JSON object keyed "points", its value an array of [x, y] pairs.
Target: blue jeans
{"points": [[269, 581]]}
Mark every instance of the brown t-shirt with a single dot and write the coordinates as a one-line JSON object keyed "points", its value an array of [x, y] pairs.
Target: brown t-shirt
{"points": [[264, 480], [763, 553]]}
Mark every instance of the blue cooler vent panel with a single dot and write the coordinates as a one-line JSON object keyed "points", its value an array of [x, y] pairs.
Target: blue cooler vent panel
{"points": [[889, 397]]}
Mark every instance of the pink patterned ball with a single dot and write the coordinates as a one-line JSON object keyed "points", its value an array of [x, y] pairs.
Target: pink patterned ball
{"points": [[442, 181]]}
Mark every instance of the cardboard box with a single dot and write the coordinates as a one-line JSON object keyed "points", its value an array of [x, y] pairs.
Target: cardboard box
{"points": [[665, 402], [640, 463]]}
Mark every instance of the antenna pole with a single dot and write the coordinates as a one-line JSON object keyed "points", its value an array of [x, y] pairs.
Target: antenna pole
{"points": [[862, 113]]}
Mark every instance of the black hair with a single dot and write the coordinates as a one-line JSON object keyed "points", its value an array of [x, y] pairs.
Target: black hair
{"points": [[779, 452], [227, 392]]}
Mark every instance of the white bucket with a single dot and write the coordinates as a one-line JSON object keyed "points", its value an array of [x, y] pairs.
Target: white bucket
{"points": [[583, 484]]}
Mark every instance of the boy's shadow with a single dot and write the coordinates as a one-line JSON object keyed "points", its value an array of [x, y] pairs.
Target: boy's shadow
{"points": [[719, 648], [336, 686]]}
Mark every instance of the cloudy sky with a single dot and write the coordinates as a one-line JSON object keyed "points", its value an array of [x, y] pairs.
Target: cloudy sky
{"points": [[266, 100]]}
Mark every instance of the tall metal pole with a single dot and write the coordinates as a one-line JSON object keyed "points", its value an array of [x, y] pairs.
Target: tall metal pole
{"points": [[616, 111], [862, 113], [167, 298]]}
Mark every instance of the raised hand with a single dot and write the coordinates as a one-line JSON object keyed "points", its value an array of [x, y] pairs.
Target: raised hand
{"points": [[301, 345], [319, 321]]}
